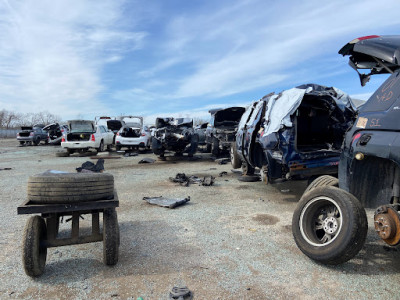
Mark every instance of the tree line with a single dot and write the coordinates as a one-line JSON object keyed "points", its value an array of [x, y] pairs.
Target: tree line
{"points": [[11, 119]]}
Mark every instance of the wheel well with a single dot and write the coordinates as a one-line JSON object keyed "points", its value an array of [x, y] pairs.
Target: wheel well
{"points": [[258, 157], [371, 181]]}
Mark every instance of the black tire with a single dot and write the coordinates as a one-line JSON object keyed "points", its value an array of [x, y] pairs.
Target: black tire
{"points": [[194, 142], [247, 169], [71, 151], [111, 238], [70, 187], [101, 147], [342, 221], [21, 143], [235, 159], [34, 252], [118, 147], [108, 147], [325, 180], [249, 178], [208, 148], [215, 146], [62, 154], [36, 141]]}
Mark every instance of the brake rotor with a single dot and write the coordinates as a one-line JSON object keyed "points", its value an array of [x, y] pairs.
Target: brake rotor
{"points": [[387, 224]]}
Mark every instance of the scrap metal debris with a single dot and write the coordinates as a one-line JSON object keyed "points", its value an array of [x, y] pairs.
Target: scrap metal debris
{"points": [[146, 160], [166, 202], [127, 154], [222, 161], [184, 180], [5, 169], [223, 174], [180, 293], [89, 167]]}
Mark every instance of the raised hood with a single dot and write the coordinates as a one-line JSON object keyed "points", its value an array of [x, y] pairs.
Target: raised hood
{"points": [[379, 54]]}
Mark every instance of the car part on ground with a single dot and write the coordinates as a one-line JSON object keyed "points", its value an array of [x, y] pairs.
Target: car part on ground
{"points": [[147, 160], [221, 131], [185, 180], [174, 134], [296, 133], [180, 293], [84, 135], [369, 168], [61, 187], [133, 134], [166, 202], [32, 135]]}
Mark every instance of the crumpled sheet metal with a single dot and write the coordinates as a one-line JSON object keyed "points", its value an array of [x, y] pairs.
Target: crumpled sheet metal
{"points": [[166, 202], [184, 180]]}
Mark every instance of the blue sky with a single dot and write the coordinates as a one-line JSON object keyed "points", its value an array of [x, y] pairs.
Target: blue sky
{"points": [[81, 58]]}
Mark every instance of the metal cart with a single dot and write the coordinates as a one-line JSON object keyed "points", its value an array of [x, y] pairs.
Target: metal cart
{"points": [[41, 231]]}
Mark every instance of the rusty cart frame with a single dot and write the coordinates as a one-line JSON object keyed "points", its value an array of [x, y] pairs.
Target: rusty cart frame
{"points": [[41, 231]]}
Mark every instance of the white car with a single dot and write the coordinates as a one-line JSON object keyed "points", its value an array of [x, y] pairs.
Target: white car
{"points": [[133, 134], [84, 135]]}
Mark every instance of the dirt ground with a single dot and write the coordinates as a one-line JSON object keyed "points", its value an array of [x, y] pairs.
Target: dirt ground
{"points": [[232, 240]]}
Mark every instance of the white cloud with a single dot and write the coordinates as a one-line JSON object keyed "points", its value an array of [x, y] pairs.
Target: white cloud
{"points": [[52, 53]]}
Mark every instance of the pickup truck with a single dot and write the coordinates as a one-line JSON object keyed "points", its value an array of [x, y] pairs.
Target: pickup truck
{"points": [[84, 135]]}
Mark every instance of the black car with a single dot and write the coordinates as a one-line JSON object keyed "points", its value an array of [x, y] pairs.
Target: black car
{"points": [[329, 224], [221, 131], [294, 134], [174, 134]]}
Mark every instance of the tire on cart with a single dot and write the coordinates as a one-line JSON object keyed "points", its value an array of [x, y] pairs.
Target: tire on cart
{"points": [[329, 225], [110, 237], [47, 188], [34, 251], [324, 180]]}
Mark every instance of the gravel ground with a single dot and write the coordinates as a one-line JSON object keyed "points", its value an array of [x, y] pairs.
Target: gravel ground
{"points": [[233, 240]]}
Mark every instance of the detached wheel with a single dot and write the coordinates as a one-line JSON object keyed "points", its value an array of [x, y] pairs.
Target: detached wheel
{"points": [[325, 180], [329, 225], [34, 251], [110, 237], [235, 159]]}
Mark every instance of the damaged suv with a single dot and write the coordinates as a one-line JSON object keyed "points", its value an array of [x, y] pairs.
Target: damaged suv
{"points": [[221, 131], [294, 134], [329, 224], [174, 134]]}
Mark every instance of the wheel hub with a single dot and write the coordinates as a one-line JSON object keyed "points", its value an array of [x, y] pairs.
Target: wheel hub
{"points": [[330, 225], [387, 224]]}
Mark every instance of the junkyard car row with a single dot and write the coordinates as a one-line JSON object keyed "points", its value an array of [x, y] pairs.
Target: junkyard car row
{"points": [[308, 132]]}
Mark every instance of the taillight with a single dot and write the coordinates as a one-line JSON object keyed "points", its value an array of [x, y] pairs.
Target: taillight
{"points": [[143, 134], [117, 133], [93, 139], [63, 139]]}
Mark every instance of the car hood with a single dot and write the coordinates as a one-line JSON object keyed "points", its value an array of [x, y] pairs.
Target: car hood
{"points": [[84, 126], [379, 54], [280, 107], [228, 117], [51, 127]]}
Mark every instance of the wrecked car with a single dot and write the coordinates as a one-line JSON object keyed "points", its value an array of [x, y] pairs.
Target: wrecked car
{"points": [[111, 123], [84, 135], [330, 224], [294, 134], [133, 134], [222, 128], [201, 132], [32, 135], [174, 134], [55, 132]]}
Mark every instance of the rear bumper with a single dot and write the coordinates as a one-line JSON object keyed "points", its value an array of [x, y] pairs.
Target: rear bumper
{"points": [[25, 138], [140, 141], [78, 145]]}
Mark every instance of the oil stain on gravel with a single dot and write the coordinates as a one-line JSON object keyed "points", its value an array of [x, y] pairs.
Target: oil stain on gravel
{"points": [[266, 219]]}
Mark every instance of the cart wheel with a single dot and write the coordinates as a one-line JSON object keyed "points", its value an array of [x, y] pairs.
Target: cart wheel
{"points": [[110, 237], [34, 251]]}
